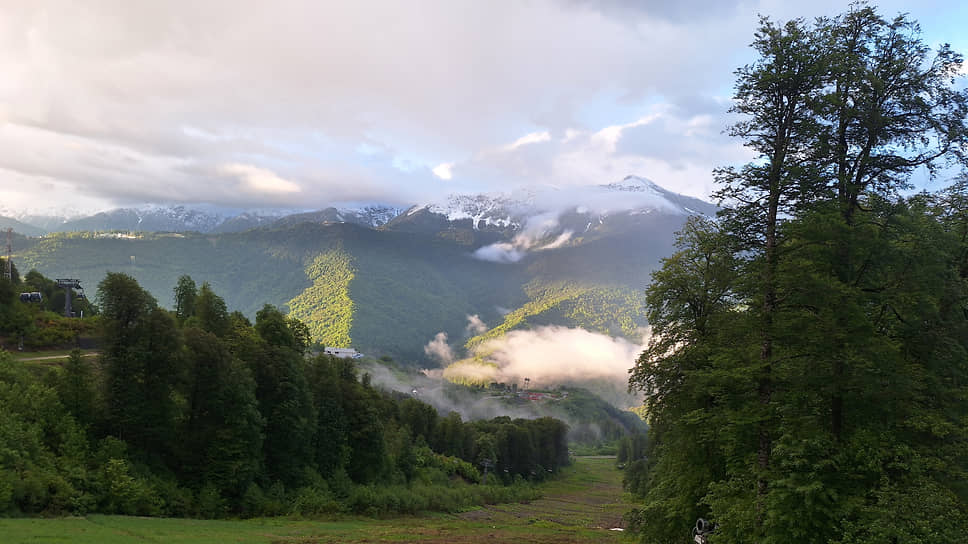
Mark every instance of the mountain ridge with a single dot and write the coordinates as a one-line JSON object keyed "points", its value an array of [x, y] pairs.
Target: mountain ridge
{"points": [[494, 212], [393, 288]]}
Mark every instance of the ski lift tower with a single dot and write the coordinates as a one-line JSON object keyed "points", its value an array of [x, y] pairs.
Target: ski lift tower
{"points": [[68, 284]]}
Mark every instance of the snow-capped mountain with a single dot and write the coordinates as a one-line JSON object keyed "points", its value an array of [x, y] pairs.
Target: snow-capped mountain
{"points": [[633, 195], [40, 218], [371, 215], [559, 209], [250, 219], [205, 219], [147, 218], [498, 211]]}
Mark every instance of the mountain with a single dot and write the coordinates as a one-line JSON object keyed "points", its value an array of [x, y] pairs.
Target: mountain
{"points": [[146, 218], [19, 227], [577, 257], [509, 212], [246, 220], [155, 218], [369, 216]]}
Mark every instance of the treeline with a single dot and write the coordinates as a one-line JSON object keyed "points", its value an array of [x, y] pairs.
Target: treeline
{"points": [[199, 412], [807, 376]]}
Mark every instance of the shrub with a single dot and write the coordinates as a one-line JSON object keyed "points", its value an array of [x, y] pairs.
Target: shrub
{"points": [[210, 503], [314, 500]]}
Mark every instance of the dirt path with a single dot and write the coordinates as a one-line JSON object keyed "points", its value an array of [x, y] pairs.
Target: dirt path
{"points": [[50, 357], [55, 357]]}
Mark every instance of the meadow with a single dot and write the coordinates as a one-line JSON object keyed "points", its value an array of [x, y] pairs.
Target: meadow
{"points": [[585, 504]]}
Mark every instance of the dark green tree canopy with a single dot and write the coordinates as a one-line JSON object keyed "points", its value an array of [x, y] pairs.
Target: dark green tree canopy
{"points": [[805, 376]]}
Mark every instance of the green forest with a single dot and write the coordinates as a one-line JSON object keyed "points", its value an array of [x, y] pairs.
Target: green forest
{"points": [[200, 412], [807, 377]]}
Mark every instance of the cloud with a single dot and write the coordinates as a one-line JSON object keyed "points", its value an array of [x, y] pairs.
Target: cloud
{"points": [[675, 147], [533, 138], [553, 354], [442, 170], [475, 325], [259, 180], [535, 230], [500, 252], [560, 241], [133, 101], [439, 349]]}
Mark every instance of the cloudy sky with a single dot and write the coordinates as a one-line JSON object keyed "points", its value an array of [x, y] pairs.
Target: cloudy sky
{"points": [[304, 103]]}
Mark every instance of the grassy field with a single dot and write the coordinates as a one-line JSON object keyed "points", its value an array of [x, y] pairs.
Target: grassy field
{"points": [[583, 506]]}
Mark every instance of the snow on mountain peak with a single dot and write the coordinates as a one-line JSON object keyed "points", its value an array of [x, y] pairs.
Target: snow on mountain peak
{"points": [[635, 184], [633, 194]]}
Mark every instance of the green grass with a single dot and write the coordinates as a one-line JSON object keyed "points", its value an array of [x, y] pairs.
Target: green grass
{"points": [[48, 356], [581, 506]]}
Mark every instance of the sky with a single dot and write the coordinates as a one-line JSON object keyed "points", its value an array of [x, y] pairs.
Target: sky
{"points": [[306, 103]]}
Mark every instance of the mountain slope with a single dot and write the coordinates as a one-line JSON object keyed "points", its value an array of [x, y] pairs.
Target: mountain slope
{"points": [[147, 219], [390, 290], [369, 216], [20, 227], [326, 306]]}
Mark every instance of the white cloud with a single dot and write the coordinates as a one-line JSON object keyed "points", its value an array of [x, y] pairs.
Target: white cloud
{"points": [[535, 230], [675, 148], [439, 349], [442, 170], [560, 241], [475, 325], [259, 180], [130, 101], [500, 252], [552, 355], [533, 138]]}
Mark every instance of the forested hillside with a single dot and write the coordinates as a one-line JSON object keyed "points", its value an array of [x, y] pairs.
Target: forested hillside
{"points": [[200, 412], [388, 290], [806, 378]]}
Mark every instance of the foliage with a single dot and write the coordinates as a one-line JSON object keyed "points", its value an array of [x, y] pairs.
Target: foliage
{"points": [[185, 294], [214, 416], [326, 305], [805, 376], [612, 310], [362, 287]]}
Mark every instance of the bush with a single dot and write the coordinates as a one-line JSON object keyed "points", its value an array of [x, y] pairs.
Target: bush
{"points": [[253, 501], [210, 503], [125, 494], [314, 500]]}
